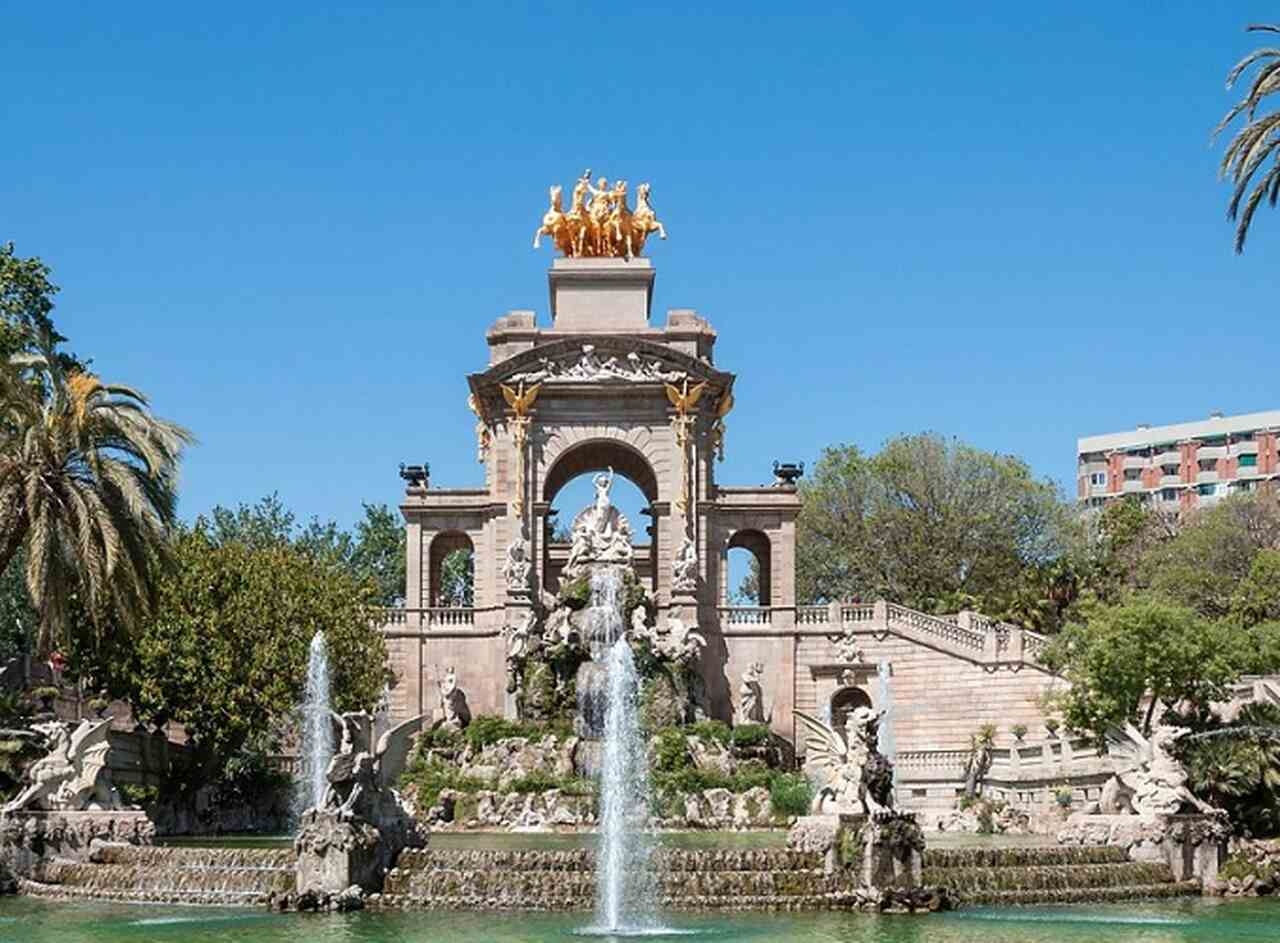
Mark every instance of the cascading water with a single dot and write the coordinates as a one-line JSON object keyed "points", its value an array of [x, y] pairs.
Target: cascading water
{"points": [[886, 742], [626, 893], [316, 748]]}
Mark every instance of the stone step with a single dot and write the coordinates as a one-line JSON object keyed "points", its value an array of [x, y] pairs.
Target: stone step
{"points": [[175, 857], [839, 900], [147, 878], [1083, 895], [1022, 857], [521, 888], [193, 897], [579, 860], [1046, 877]]}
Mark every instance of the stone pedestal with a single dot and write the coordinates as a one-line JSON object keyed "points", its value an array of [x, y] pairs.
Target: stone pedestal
{"points": [[28, 839], [893, 851], [336, 853], [605, 295], [1194, 846]]}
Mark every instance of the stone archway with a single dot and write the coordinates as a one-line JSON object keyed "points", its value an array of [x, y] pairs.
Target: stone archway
{"points": [[757, 544], [597, 455], [844, 701]]}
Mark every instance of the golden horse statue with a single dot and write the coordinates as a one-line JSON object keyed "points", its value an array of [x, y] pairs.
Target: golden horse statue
{"points": [[598, 223], [553, 221]]}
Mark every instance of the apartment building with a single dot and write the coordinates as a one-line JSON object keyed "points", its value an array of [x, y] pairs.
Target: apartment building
{"points": [[1180, 466]]}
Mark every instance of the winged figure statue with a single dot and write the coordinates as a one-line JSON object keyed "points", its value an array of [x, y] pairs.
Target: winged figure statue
{"points": [[73, 775], [361, 771], [521, 400], [683, 398], [858, 777]]}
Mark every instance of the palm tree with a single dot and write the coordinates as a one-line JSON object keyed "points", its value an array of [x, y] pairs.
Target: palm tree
{"points": [[87, 486], [1256, 143]]}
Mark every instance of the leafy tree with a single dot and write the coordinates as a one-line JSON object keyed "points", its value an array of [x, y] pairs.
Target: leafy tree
{"points": [[1205, 564], [1236, 767], [17, 618], [225, 652], [379, 552], [87, 488], [457, 578], [26, 307], [1257, 597], [928, 522], [376, 551], [1255, 144], [1124, 661]]}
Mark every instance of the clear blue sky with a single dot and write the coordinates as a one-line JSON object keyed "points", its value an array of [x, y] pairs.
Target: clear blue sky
{"points": [[292, 225]]}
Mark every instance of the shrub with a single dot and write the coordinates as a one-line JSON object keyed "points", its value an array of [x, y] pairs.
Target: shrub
{"points": [[432, 776], [487, 730], [1019, 731], [670, 750], [716, 730], [749, 735], [538, 781], [790, 794], [1063, 796], [441, 738], [141, 796]]}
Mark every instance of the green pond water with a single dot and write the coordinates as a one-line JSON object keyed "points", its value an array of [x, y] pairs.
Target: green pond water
{"points": [[25, 920]]}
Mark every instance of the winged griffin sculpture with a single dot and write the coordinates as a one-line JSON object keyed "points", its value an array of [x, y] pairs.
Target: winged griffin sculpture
{"points": [[858, 777], [1150, 779], [73, 776], [362, 774]]}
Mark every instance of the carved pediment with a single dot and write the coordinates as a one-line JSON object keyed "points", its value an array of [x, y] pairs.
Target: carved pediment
{"points": [[603, 361]]}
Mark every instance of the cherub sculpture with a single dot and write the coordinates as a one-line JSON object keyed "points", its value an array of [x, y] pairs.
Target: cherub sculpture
{"points": [[858, 777], [1151, 780], [73, 776], [361, 774]]}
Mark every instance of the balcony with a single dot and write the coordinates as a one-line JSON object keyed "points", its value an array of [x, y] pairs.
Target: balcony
{"points": [[1211, 451], [1136, 461], [1133, 485], [1169, 457], [428, 618], [1206, 477]]}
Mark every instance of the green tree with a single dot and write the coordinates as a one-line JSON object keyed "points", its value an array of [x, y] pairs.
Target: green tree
{"points": [[457, 578], [375, 552], [17, 618], [1254, 145], [1257, 597], [87, 487], [379, 552], [1128, 661], [26, 307], [225, 652], [1204, 566], [928, 522]]}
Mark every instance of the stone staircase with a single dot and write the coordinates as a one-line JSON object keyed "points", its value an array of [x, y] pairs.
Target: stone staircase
{"points": [[1051, 875], [217, 876], [761, 879]]}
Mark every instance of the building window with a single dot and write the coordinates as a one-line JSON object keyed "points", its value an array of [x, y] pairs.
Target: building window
{"points": [[1207, 491], [1208, 464], [1244, 485], [1248, 461], [1169, 469], [1169, 494], [1097, 479], [1133, 474]]}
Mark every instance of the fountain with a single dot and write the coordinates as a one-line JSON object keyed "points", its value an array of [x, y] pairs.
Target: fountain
{"points": [[625, 891], [316, 747], [887, 743]]}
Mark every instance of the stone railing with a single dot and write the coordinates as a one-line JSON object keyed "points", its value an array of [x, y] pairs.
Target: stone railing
{"points": [[746, 615], [427, 617], [969, 635], [813, 615], [920, 624]]}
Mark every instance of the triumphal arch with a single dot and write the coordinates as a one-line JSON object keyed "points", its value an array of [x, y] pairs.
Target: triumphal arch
{"points": [[600, 388]]}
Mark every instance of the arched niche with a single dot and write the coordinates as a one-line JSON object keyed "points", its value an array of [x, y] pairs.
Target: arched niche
{"points": [[590, 457], [442, 591], [757, 544], [844, 701]]}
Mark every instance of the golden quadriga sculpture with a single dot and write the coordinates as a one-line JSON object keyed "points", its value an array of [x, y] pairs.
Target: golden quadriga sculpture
{"points": [[598, 223]]}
